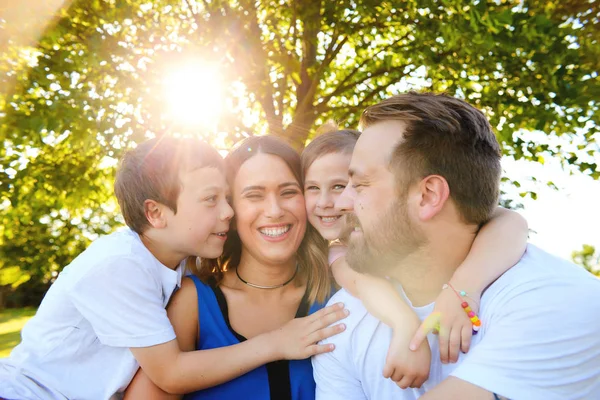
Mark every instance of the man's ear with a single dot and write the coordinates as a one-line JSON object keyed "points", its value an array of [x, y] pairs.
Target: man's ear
{"points": [[155, 214], [434, 192]]}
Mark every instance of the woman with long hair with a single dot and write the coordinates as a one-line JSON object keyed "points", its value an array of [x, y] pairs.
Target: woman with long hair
{"points": [[261, 303]]}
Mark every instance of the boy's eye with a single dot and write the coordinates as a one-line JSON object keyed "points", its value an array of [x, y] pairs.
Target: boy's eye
{"points": [[339, 187], [211, 199], [312, 188]]}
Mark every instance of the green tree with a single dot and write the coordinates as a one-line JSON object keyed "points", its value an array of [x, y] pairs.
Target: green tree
{"points": [[587, 258], [91, 86]]}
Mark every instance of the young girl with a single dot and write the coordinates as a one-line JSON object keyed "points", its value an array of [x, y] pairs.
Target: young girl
{"points": [[498, 246]]}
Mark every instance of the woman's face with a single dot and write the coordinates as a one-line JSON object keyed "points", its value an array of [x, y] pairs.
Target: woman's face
{"points": [[326, 178], [269, 209]]}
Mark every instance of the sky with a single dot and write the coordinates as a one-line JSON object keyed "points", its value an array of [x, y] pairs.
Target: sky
{"points": [[561, 220]]}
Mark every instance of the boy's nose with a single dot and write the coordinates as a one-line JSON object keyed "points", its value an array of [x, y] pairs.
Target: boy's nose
{"points": [[227, 212]]}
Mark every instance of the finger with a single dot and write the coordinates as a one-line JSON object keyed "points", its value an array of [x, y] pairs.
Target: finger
{"points": [[454, 345], [397, 376], [388, 370], [465, 341], [325, 311], [418, 382], [405, 382], [325, 333], [315, 349], [444, 338], [428, 325], [328, 319]]}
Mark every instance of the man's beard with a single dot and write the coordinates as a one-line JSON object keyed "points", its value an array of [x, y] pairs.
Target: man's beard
{"points": [[393, 238]]}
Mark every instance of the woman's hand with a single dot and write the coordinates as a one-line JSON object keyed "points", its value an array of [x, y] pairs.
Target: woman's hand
{"points": [[297, 339]]}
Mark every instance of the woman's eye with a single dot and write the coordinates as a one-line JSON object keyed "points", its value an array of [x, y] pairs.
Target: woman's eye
{"points": [[289, 193], [312, 188], [211, 199], [339, 187]]}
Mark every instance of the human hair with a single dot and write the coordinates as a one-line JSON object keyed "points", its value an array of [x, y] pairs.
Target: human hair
{"points": [[339, 141], [444, 136], [151, 171], [312, 253]]}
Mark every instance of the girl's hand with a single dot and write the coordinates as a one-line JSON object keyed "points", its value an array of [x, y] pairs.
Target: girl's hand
{"points": [[407, 368], [451, 323], [297, 339]]}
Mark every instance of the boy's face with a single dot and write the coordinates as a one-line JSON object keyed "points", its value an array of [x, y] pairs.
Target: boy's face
{"points": [[325, 180], [199, 228]]}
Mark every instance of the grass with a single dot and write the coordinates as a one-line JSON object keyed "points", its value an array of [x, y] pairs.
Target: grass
{"points": [[11, 323]]}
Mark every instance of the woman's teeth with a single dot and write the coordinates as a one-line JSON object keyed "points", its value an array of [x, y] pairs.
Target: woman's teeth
{"points": [[275, 232], [329, 219]]}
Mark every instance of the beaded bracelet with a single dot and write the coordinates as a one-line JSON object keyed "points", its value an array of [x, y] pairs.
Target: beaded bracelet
{"points": [[470, 313]]}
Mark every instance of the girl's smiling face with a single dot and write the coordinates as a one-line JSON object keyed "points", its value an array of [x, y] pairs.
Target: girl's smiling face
{"points": [[325, 180]]}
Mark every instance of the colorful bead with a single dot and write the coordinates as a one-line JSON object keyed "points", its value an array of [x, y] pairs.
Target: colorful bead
{"points": [[464, 304], [471, 314], [477, 323], [476, 328], [463, 293], [468, 309]]}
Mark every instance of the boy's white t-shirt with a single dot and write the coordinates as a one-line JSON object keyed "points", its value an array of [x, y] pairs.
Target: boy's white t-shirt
{"points": [[110, 298], [540, 339]]}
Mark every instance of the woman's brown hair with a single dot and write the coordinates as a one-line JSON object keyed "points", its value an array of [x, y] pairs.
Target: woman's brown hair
{"points": [[312, 253]]}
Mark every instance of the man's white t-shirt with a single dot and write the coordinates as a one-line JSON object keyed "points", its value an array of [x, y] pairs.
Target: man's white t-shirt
{"points": [[110, 298], [540, 339]]}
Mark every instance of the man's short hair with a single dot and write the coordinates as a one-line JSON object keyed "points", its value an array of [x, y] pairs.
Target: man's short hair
{"points": [[152, 171], [448, 137]]}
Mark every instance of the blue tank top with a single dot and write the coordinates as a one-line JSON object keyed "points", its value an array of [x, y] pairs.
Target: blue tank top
{"points": [[277, 380]]}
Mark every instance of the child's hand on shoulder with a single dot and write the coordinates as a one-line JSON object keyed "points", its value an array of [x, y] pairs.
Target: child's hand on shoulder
{"points": [[405, 367], [451, 323]]}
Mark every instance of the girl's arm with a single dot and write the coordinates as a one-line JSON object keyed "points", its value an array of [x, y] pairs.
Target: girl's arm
{"points": [[499, 245], [175, 369], [383, 301]]}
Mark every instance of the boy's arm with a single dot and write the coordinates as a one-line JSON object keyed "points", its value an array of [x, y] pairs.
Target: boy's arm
{"points": [[122, 300], [183, 314], [175, 371]]}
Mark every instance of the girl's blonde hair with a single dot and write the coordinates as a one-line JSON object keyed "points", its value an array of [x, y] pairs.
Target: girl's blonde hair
{"points": [[339, 141]]}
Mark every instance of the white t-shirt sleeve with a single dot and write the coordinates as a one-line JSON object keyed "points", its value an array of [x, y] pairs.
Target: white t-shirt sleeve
{"points": [[542, 341], [122, 300], [334, 380]]}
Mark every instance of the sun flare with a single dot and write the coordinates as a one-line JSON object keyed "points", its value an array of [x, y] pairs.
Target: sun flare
{"points": [[194, 95]]}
